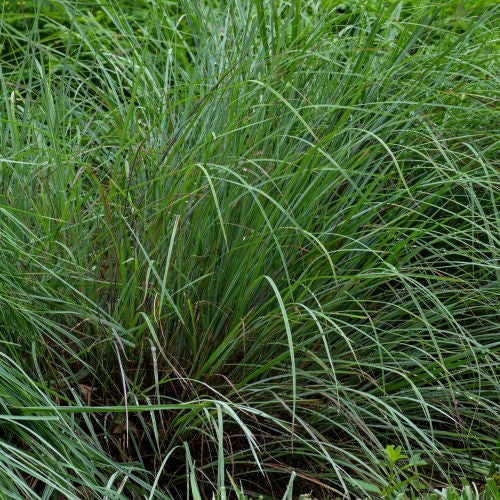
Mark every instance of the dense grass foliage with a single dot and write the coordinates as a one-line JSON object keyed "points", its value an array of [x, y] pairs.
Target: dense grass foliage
{"points": [[248, 247]]}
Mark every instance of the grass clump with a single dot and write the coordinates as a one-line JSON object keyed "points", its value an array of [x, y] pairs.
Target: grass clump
{"points": [[248, 249]]}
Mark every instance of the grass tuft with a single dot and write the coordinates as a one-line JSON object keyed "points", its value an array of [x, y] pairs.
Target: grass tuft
{"points": [[249, 249]]}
